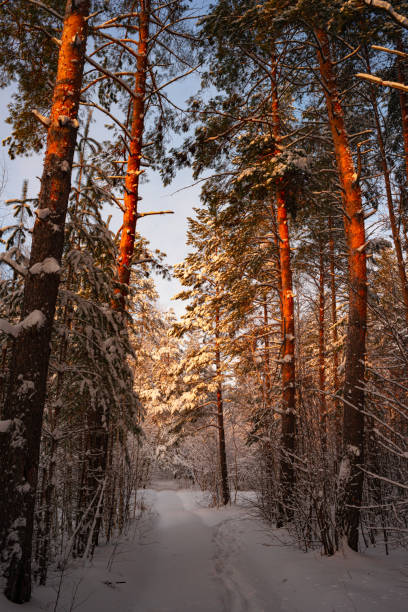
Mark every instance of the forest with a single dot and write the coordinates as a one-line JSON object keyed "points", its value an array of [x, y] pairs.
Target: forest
{"points": [[283, 370]]}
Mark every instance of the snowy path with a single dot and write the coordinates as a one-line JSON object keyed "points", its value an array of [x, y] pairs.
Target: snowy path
{"points": [[179, 570], [185, 557]]}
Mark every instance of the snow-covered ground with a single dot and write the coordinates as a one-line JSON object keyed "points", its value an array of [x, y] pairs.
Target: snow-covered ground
{"points": [[185, 557]]}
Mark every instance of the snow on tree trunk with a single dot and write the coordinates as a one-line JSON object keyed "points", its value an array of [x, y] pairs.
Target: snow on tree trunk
{"points": [[351, 476], [19, 446]]}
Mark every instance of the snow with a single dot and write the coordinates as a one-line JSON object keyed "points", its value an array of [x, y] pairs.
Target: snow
{"points": [[8, 328], [42, 213], [35, 318], [25, 387], [246, 172], [49, 266], [182, 556], [5, 425], [344, 471], [25, 488], [6, 258]]}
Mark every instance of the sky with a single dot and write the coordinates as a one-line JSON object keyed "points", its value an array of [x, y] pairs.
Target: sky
{"points": [[164, 232]]}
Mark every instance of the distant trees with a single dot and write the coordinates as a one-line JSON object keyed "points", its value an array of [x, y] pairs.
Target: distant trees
{"points": [[261, 139]]}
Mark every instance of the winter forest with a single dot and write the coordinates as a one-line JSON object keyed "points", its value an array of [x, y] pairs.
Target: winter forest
{"points": [[243, 448]]}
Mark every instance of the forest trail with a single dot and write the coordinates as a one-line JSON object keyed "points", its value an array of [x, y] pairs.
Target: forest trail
{"points": [[185, 557]]}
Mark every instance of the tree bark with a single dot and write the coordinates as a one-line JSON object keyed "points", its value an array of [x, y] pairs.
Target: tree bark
{"points": [[333, 306], [100, 439], [288, 431], [133, 172], [388, 191], [403, 99], [350, 476], [335, 339], [20, 444], [322, 346], [267, 355], [220, 420], [403, 102]]}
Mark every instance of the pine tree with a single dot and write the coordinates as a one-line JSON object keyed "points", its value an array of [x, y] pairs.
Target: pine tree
{"points": [[25, 397]]}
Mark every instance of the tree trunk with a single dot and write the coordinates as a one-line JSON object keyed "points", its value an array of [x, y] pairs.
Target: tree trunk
{"points": [[322, 364], [351, 476], [403, 218], [48, 500], [288, 327], [220, 421], [133, 172], [333, 306], [335, 339], [20, 444], [388, 191], [403, 102], [100, 440], [267, 355]]}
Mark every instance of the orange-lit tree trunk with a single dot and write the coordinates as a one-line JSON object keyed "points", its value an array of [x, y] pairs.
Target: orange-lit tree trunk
{"points": [[288, 325], [322, 361], [23, 410], [403, 98], [99, 424], [133, 171], [276, 241], [351, 476], [388, 191]]}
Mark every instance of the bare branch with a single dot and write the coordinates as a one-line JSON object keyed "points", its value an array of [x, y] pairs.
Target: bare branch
{"points": [[388, 8], [159, 212], [45, 121], [386, 50], [378, 81], [103, 110]]}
